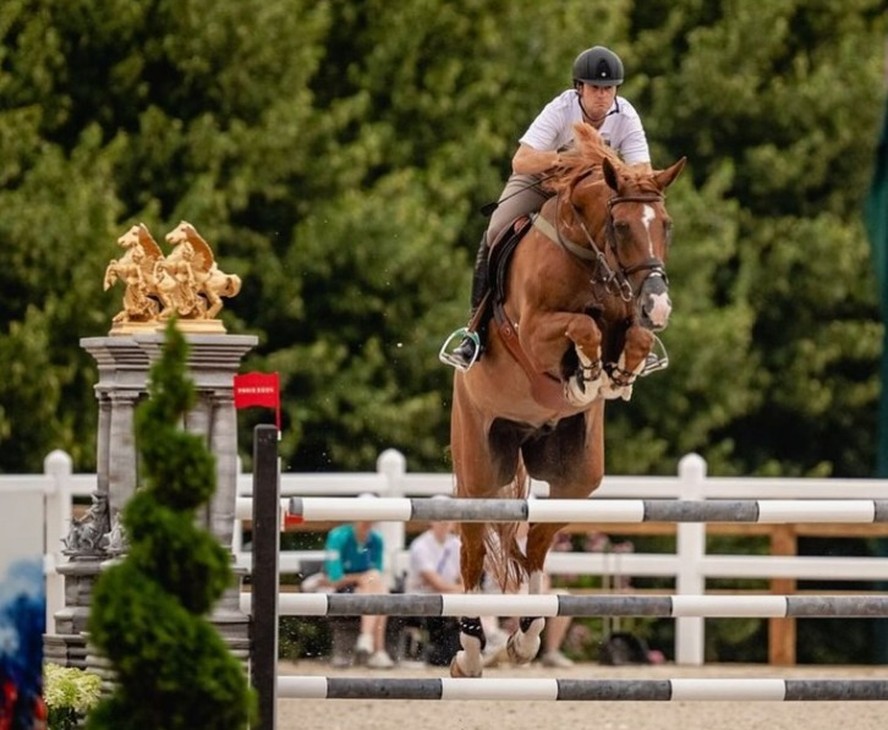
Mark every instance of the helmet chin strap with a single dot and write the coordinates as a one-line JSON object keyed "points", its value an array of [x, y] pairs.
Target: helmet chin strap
{"points": [[595, 122], [589, 118]]}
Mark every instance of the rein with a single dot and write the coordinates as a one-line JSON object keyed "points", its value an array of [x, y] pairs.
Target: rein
{"points": [[615, 282], [546, 389]]}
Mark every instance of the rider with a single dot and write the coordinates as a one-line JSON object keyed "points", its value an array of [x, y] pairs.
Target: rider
{"points": [[597, 73]]}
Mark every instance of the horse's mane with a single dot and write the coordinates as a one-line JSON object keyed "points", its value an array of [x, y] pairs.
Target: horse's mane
{"points": [[148, 244], [589, 151]]}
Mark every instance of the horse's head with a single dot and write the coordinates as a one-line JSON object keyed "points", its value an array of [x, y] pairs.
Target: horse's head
{"points": [[181, 233], [131, 237], [639, 232], [621, 212]]}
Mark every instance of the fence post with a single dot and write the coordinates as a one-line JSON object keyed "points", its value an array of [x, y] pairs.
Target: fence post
{"points": [[392, 465], [690, 639], [266, 584], [782, 631], [57, 517]]}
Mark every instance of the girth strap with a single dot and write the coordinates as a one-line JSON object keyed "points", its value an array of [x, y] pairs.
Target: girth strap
{"points": [[545, 389]]}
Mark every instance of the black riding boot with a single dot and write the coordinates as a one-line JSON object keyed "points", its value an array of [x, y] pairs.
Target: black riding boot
{"points": [[466, 349]]}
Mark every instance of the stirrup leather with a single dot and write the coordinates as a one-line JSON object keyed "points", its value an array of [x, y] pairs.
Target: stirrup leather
{"points": [[449, 358], [657, 359]]}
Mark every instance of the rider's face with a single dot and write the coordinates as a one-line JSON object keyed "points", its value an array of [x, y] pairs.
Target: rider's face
{"points": [[597, 100]]}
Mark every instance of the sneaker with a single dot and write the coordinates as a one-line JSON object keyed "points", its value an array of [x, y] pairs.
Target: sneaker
{"points": [[340, 662], [556, 659], [380, 660], [363, 647]]}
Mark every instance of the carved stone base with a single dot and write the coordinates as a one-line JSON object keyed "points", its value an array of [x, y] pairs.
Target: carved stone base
{"points": [[66, 650], [233, 624], [67, 646], [193, 326]]}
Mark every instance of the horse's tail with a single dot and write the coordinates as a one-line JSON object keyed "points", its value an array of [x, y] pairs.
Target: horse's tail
{"points": [[232, 285], [506, 559]]}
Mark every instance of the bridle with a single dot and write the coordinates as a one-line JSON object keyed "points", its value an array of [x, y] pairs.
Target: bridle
{"points": [[615, 282]]}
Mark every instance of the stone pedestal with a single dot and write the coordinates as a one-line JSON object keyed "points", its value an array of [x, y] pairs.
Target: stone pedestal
{"points": [[124, 363], [67, 646]]}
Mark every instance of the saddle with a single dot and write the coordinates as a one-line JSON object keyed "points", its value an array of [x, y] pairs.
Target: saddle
{"points": [[499, 258], [546, 390]]}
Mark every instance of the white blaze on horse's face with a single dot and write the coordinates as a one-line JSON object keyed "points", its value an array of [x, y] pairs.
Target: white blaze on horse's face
{"points": [[647, 217], [654, 304]]}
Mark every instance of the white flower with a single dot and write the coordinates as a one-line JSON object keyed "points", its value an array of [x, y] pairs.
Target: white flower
{"points": [[70, 687]]}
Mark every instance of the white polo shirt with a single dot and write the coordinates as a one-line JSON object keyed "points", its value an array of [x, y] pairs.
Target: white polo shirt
{"points": [[621, 129], [426, 553]]}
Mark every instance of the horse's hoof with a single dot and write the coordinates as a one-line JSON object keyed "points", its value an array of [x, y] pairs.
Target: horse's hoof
{"points": [[582, 394], [458, 672], [521, 652]]}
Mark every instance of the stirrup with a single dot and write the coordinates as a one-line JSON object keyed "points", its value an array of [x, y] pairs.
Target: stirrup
{"points": [[657, 359], [449, 358]]}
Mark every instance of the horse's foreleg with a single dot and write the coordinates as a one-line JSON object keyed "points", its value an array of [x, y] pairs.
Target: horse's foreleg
{"points": [[622, 375], [583, 387]]}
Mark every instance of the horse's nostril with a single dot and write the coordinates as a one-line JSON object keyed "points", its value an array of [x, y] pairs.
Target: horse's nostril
{"points": [[656, 309]]}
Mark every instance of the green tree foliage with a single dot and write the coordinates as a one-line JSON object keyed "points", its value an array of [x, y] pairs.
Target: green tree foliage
{"points": [[335, 155], [172, 667], [776, 333]]}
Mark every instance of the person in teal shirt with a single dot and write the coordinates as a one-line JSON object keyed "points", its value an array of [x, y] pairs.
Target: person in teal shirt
{"points": [[355, 565], [358, 549]]}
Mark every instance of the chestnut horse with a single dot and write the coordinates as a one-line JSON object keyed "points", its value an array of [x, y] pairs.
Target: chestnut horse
{"points": [[584, 290]]}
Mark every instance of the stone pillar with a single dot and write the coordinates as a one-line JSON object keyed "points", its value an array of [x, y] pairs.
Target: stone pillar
{"points": [[124, 362], [223, 444], [123, 462]]}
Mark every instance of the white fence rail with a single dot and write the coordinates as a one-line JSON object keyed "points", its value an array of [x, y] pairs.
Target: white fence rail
{"points": [[690, 566]]}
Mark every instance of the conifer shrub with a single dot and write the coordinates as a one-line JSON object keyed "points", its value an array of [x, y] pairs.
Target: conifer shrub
{"points": [[148, 615]]}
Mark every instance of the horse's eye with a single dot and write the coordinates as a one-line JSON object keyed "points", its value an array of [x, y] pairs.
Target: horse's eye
{"points": [[622, 227], [667, 226]]}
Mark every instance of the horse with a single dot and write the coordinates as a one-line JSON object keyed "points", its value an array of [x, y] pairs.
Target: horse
{"points": [[573, 319], [136, 269], [207, 283]]}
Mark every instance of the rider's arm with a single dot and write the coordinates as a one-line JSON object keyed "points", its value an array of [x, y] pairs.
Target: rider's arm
{"points": [[530, 161], [642, 167]]}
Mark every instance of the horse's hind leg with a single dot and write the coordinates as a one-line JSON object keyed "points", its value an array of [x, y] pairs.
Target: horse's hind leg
{"points": [[469, 661], [524, 644]]}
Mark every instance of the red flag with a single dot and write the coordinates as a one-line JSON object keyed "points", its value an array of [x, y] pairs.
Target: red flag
{"points": [[261, 390]]}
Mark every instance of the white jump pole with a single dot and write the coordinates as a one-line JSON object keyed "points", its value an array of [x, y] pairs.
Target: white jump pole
{"points": [[596, 690]]}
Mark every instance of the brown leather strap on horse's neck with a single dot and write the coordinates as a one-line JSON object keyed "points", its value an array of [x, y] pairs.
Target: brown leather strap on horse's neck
{"points": [[550, 232], [546, 390]]}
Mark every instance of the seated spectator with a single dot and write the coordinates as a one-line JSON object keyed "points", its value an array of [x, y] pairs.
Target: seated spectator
{"points": [[354, 565], [434, 568]]}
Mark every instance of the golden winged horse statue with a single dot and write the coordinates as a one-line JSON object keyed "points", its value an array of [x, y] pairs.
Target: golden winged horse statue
{"points": [[574, 309]]}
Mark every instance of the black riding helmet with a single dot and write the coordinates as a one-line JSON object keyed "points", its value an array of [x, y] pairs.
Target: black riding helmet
{"points": [[598, 66]]}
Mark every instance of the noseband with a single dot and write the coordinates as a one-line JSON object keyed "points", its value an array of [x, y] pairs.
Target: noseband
{"points": [[615, 282]]}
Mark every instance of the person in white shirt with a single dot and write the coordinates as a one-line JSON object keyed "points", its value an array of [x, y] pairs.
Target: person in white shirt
{"points": [[434, 568], [597, 74]]}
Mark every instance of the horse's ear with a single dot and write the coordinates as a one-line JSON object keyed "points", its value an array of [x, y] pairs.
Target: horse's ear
{"points": [[666, 177], [610, 175]]}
